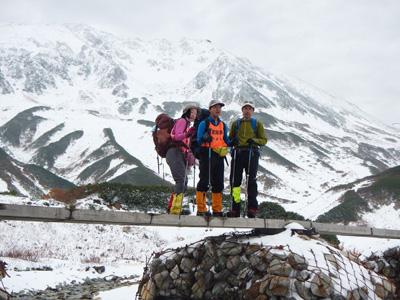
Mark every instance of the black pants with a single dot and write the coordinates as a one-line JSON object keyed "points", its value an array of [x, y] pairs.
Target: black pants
{"points": [[242, 163], [217, 171]]}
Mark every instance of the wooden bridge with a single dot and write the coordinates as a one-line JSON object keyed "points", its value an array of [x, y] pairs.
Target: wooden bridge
{"points": [[67, 215]]}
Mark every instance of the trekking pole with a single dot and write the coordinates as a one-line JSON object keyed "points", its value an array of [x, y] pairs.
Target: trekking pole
{"points": [[186, 170], [209, 175], [233, 176], [246, 206], [186, 167], [160, 163], [194, 184]]}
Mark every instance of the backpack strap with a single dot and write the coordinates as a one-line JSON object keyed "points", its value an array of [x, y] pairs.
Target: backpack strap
{"points": [[207, 125], [253, 124], [237, 127]]}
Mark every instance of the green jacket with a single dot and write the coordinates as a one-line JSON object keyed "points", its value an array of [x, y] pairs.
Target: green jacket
{"points": [[246, 131]]}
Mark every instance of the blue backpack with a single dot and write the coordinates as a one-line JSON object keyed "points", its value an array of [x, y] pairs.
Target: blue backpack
{"points": [[202, 117]]}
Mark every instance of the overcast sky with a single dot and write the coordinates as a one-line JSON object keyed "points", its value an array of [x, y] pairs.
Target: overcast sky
{"points": [[348, 48]]}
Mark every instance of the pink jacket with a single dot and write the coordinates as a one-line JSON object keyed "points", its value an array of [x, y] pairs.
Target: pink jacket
{"points": [[179, 131], [179, 134]]}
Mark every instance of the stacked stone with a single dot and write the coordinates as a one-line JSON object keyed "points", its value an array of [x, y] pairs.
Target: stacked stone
{"points": [[222, 268], [387, 264], [89, 289]]}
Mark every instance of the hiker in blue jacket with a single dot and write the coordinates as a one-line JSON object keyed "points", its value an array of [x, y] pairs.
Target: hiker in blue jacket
{"points": [[247, 134], [212, 137]]}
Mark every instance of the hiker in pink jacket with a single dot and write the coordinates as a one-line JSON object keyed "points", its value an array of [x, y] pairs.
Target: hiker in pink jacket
{"points": [[179, 157]]}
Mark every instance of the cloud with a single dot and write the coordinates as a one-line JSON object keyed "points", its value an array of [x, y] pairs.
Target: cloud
{"points": [[348, 48]]}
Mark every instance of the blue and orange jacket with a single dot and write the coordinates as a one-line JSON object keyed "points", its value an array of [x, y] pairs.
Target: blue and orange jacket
{"points": [[218, 130]]}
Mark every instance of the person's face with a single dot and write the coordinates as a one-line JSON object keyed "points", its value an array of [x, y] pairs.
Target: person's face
{"points": [[215, 111], [247, 111], [193, 114]]}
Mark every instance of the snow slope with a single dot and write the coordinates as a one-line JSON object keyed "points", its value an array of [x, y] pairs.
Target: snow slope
{"points": [[71, 248]]}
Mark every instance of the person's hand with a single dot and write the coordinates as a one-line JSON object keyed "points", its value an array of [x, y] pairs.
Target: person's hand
{"points": [[251, 141], [234, 142], [206, 138], [191, 131]]}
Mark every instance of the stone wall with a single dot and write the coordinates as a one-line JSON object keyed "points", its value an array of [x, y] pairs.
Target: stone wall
{"points": [[240, 267], [387, 264]]}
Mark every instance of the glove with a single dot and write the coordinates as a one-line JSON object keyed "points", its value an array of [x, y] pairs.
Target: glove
{"points": [[191, 131], [191, 159], [206, 138], [234, 142], [251, 141]]}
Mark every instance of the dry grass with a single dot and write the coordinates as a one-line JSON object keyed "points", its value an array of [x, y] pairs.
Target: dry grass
{"points": [[93, 259], [21, 254], [352, 254]]}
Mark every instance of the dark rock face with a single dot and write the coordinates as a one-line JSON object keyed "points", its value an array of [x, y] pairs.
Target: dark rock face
{"points": [[232, 267]]}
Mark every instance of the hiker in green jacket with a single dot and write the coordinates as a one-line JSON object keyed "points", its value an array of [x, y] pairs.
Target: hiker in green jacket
{"points": [[247, 135]]}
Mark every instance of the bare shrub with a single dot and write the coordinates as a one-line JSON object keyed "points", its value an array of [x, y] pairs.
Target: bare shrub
{"points": [[93, 259], [21, 254], [67, 197], [127, 229], [3, 268]]}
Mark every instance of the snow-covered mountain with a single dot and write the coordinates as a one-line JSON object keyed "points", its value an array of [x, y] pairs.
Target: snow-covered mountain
{"points": [[81, 103], [371, 201]]}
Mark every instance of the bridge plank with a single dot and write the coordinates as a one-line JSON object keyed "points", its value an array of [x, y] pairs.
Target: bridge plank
{"points": [[33, 213], [386, 233], [67, 215], [328, 228]]}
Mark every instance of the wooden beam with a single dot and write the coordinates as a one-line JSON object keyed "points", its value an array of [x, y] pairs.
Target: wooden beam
{"points": [[67, 215]]}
